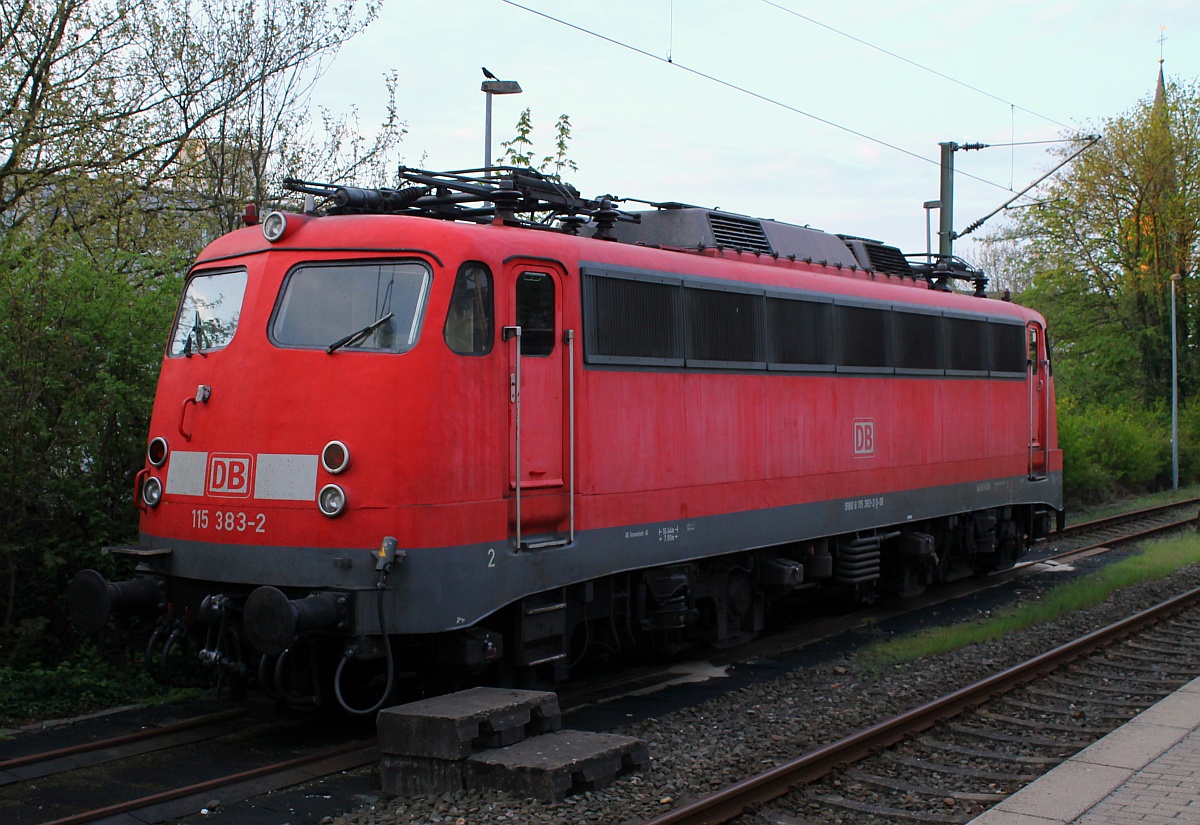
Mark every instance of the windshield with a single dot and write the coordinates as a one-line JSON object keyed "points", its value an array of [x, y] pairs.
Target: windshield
{"points": [[208, 316], [323, 304]]}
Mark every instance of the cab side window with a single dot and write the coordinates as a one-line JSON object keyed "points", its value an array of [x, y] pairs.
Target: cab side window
{"points": [[1033, 349], [535, 313], [469, 323]]}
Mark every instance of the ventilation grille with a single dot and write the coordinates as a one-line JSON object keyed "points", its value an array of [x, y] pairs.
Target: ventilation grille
{"points": [[864, 336], [739, 233], [724, 326], [800, 332], [1008, 347], [634, 319], [888, 259], [968, 344], [917, 341]]}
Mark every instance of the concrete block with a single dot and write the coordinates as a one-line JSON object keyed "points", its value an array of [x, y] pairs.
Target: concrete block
{"points": [[458, 724], [554, 766], [419, 775]]}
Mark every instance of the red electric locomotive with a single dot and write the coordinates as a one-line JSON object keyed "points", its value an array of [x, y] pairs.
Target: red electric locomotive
{"points": [[482, 420]]}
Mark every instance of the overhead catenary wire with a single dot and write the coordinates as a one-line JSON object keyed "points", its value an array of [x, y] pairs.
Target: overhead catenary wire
{"points": [[1089, 142], [1031, 142], [743, 90], [913, 63]]}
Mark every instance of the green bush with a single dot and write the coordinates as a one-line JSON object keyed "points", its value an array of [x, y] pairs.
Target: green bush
{"points": [[1111, 452], [83, 336], [86, 682], [1189, 441]]}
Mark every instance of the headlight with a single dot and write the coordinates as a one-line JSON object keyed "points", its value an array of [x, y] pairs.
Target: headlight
{"points": [[152, 491], [156, 453], [332, 500], [274, 225], [335, 457]]}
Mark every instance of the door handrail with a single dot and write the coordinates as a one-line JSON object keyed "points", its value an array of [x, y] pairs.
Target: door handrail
{"points": [[569, 337], [514, 397]]}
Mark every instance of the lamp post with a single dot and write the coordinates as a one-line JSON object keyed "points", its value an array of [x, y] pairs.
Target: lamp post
{"points": [[1174, 391], [491, 87]]}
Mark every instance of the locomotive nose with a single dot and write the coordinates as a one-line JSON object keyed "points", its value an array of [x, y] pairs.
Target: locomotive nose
{"points": [[92, 599]]}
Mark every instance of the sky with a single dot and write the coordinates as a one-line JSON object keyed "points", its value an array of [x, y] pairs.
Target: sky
{"points": [[784, 109]]}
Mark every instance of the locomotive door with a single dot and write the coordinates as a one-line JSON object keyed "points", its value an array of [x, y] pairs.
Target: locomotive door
{"points": [[536, 402], [1039, 398]]}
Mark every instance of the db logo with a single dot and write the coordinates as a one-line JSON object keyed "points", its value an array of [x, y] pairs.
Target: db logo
{"points": [[864, 437], [230, 474]]}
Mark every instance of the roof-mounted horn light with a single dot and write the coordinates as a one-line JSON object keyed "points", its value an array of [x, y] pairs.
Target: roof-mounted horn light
{"points": [[274, 226]]}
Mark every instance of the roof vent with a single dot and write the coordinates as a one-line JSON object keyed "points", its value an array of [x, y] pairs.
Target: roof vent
{"points": [[739, 233], [878, 256]]}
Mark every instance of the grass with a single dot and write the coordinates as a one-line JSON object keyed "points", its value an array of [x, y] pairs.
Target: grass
{"points": [[1156, 560]]}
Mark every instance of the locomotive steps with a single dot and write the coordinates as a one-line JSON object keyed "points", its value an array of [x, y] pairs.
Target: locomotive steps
{"points": [[497, 738]]}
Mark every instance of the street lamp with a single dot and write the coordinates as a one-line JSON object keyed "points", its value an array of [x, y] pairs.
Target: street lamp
{"points": [[490, 87], [1174, 391]]}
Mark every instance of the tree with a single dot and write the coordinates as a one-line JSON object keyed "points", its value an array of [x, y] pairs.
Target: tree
{"points": [[1004, 258], [78, 362], [1110, 233], [519, 150], [254, 127], [150, 90], [131, 133]]}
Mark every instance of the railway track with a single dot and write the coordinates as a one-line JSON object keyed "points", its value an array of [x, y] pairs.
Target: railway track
{"points": [[40, 763], [159, 777], [1131, 526], [948, 760], [170, 771], [1074, 543]]}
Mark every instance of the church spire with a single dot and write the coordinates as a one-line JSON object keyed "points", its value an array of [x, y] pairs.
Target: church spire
{"points": [[1160, 91]]}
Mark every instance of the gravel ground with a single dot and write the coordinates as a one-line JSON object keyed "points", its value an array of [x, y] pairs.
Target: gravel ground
{"points": [[699, 749]]}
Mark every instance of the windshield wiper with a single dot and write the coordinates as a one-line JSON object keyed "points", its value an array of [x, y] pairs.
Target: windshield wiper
{"points": [[198, 331], [362, 333]]}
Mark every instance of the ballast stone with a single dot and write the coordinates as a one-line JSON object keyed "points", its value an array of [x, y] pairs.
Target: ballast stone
{"points": [[556, 765], [454, 726]]}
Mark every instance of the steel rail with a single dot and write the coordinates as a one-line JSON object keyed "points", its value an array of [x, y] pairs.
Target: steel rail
{"points": [[1096, 524], [749, 794], [368, 746], [125, 739], [1092, 548]]}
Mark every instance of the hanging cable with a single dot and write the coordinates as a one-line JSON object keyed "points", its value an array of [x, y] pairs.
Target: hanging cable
{"points": [[671, 34], [1091, 140], [746, 91], [912, 62], [1012, 149]]}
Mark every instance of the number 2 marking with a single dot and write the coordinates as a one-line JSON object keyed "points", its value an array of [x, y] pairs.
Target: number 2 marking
{"points": [[491, 557]]}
